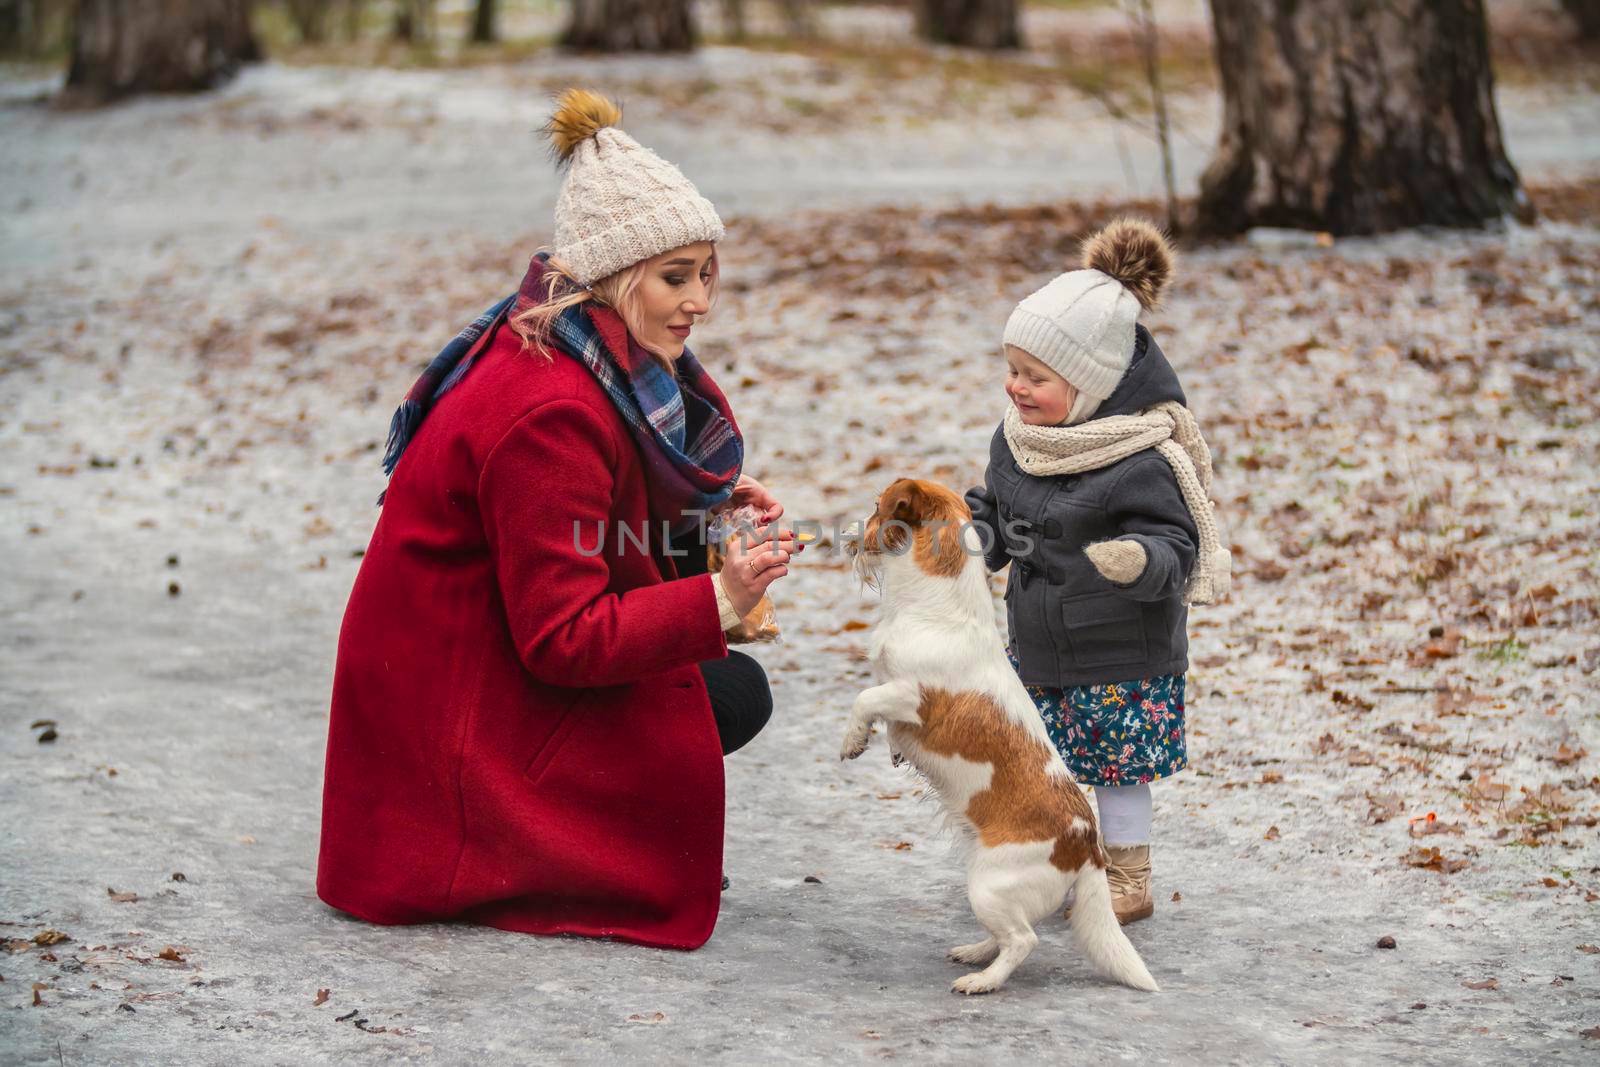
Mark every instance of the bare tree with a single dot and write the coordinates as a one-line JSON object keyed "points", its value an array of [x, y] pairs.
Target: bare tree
{"points": [[483, 24], [20, 24], [352, 18], [413, 21], [310, 19], [631, 26], [799, 18], [733, 21], [1586, 15], [973, 23], [1146, 21], [122, 47], [1355, 118]]}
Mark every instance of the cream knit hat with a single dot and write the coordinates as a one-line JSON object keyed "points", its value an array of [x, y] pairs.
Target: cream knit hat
{"points": [[620, 203], [1081, 323]]}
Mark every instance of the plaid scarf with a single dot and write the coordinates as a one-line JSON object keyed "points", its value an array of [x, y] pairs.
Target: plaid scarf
{"points": [[687, 436]]}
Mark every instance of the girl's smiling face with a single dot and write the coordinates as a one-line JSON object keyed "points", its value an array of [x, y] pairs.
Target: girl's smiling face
{"points": [[1042, 397]]}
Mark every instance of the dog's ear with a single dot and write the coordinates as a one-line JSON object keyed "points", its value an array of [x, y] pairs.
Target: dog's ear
{"points": [[906, 501]]}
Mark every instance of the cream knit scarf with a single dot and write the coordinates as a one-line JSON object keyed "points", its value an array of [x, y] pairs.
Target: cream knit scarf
{"points": [[1169, 429]]}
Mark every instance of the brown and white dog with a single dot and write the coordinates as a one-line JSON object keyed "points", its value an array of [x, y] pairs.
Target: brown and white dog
{"points": [[958, 713]]}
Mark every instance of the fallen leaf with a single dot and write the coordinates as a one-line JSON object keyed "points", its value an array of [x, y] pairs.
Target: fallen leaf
{"points": [[1590, 949], [1386, 941], [121, 898], [1485, 788], [1176, 897], [37, 1000], [50, 937], [1434, 860], [1272, 833], [854, 624], [652, 1018], [1270, 777], [171, 954], [1487, 983], [1384, 806], [1565, 755], [322, 998], [1593, 1033]]}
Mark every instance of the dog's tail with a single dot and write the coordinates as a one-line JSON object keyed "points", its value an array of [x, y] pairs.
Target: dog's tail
{"points": [[1100, 936]]}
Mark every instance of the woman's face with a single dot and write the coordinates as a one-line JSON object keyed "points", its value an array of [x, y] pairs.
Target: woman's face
{"points": [[1042, 397], [674, 291]]}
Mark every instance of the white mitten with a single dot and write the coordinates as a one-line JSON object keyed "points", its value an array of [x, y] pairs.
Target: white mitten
{"points": [[1118, 561]]}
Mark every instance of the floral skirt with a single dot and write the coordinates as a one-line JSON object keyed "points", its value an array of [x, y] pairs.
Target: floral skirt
{"points": [[1119, 733]]}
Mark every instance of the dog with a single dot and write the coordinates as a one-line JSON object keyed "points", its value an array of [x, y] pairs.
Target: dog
{"points": [[957, 712]]}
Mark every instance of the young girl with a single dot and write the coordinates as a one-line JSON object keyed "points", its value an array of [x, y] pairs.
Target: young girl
{"points": [[1097, 494]]}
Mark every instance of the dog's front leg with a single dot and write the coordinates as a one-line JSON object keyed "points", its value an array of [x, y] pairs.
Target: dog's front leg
{"points": [[895, 701]]}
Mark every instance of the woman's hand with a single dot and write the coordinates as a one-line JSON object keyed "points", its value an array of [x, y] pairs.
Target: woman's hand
{"points": [[749, 491], [752, 564]]}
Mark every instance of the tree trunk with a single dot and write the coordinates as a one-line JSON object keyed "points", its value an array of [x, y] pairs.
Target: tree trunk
{"points": [[123, 47], [19, 26], [413, 21], [310, 19], [733, 22], [483, 28], [973, 23], [352, 18], [631, 26], [1355, 118], [1585, 14]]}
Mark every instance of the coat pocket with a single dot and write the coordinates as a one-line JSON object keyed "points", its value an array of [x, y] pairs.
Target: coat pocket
{"points": [[1105, 631], [540, 760]]}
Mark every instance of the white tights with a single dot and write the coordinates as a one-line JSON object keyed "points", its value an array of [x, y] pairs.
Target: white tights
{"points": [[1124, 814]]}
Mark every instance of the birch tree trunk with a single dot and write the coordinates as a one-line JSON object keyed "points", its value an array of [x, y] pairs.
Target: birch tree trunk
{"points": [[973, 23], [631, 26], [1355, 118], [123, 47]]}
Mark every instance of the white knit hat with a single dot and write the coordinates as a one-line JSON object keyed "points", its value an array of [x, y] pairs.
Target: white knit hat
{"points": [[620, 203], [1081, 323]]}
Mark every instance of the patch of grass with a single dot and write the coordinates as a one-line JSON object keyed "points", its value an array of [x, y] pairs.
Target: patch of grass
{"points": [[1508, 650]]}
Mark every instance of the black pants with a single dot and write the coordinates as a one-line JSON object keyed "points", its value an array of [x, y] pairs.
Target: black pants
{"points": [[741, 700], [740, 696]]}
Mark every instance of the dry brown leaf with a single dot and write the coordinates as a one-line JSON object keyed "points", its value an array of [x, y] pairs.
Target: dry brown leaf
{"points": [[1384, 806], [1272, 834], [322, 998], [121, 898], [652, 1018], [853, 625], [50, 937], [1433, 860], [1565, 754], [1485, 788], [1487, 983], [171, 954]]}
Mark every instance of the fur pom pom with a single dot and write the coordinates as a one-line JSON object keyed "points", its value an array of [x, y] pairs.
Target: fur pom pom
{"points": [[580, 114], [1134, 253]]}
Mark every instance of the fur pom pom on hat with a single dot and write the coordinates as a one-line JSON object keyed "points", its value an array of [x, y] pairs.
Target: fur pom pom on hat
{"points": [[1081, 323], [620, 203]]}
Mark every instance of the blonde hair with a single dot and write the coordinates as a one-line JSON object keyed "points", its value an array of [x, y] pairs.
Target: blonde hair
{"points": [[619, 291]]}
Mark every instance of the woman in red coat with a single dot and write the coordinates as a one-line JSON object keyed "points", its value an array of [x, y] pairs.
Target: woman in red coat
{"points": [[533, 691]]}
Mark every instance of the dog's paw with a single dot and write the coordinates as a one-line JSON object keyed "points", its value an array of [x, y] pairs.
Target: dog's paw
{"points": [[978, 955], [974, 984], [855, 743]]}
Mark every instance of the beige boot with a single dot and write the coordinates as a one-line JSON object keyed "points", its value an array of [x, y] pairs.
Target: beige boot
{"points": [[1128, 872]]}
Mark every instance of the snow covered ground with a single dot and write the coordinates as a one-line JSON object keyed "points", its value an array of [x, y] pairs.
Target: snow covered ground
{"points": [[211, 305]]}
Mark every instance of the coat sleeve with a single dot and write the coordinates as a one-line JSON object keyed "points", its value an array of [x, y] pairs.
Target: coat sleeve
{"points": [[545, 483], [1147, 506], [984, 513]]}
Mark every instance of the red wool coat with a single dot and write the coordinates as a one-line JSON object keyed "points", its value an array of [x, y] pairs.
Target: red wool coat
{"points": [[520, 736]]}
